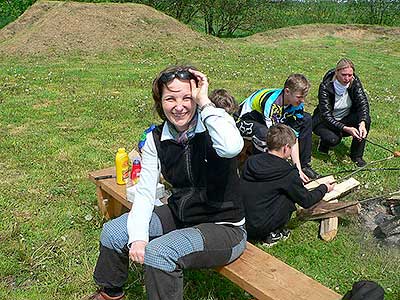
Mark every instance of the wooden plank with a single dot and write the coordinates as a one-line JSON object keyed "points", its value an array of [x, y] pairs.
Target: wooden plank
{"points": [[341, 189], [266, 277], [313, 184]]}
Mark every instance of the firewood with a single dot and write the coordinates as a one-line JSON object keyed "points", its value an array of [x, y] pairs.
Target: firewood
{"points": [[329, 226], [324, 210]]}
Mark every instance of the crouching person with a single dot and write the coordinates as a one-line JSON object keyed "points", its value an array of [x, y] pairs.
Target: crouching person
{"points": [[202, 226], [271, 186]]}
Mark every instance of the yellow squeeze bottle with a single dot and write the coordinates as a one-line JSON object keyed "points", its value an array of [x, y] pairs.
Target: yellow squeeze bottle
{"points": [[122, 166]]}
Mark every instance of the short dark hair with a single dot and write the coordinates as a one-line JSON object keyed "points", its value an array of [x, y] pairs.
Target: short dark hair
{"points": [[280, 135], [223, 99], [298, 83], [159, 83]]}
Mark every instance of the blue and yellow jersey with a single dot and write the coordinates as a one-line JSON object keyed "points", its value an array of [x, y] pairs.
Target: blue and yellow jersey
{"points": [[269, 102]]}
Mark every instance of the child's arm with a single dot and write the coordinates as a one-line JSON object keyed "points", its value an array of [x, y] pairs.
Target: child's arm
{"points": [[300, 195], [296, 161]]}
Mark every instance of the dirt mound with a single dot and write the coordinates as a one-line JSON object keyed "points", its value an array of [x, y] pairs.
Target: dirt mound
{"points": [[62, 27], [53, 27], [322, 30]]}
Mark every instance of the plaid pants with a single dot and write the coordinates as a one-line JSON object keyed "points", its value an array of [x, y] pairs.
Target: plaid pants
{"points": [[170, 250]]}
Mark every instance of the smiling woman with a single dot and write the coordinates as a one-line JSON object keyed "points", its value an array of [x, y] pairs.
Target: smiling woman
{"points": [[202, 226]]}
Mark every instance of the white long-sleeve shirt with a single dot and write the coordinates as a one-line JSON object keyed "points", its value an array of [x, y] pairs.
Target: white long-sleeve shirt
{"points": [[226, 141]]}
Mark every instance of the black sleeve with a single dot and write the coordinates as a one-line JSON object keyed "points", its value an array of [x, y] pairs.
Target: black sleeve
{"points": [[361, 100], [300, 195]]}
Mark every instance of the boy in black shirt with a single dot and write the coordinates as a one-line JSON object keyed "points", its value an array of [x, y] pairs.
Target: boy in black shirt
{"points": [[271, 186]]}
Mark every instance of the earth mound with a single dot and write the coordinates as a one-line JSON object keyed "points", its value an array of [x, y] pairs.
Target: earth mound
{"points": [[55, 27], [63, 27], [311, 31]]}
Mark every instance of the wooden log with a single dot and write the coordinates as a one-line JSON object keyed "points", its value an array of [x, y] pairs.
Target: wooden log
{"points": [[329, 227], [324, 210]]}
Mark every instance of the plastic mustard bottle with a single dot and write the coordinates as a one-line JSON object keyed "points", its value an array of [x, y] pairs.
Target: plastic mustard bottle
{"points": [[122, 166]]}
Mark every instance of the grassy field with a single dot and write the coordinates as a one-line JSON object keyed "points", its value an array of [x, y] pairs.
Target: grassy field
{"points": [[63, 116]]}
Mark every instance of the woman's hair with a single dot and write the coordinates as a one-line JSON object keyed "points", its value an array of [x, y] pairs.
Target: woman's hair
{"points": [[345, 63], [298, 83], [222, 99], [163, 78], [280, 135]]}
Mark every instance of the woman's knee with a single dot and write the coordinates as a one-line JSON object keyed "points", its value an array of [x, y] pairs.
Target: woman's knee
{"points": [[331, 140], [240, 247], [114, 234], [160, 256]]}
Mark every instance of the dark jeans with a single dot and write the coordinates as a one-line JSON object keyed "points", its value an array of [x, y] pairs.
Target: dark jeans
{"points": [[169, 251], [331, 137], [252, 125]]}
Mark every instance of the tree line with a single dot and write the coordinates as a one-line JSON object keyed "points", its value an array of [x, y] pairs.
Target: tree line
{"points": [[233, 18]]}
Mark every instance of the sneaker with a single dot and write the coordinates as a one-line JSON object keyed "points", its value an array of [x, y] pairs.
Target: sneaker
{"points": [[310, 173], [360, 162], [276, 236], [323, 148]]}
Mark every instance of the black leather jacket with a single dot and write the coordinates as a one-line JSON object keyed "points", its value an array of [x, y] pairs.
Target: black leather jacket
{"points": [[326, 99]]}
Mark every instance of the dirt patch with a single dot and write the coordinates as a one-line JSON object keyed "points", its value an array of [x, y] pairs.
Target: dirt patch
{"points": [[62, 27], [323, 30]]}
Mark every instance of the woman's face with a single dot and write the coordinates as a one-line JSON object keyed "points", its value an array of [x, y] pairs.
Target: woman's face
{"points": [[345, 76], [177, 103]]}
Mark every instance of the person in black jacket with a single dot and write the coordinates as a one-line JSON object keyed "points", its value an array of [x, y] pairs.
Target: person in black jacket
{"points": [[342, 110], [271, 186]]}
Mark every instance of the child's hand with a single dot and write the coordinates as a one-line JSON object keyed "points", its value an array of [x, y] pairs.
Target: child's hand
{"points": [[330, 186], [303, 177]]}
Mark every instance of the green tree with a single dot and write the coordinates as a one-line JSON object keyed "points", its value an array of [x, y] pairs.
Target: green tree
{"points": [[224, 17], [12, 9], [381, 12]]}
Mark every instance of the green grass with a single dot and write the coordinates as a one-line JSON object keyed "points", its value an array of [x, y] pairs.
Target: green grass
{"points": [[61, 117]]}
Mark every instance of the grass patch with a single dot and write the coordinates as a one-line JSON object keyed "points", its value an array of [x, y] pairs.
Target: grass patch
{"points": [[61, 117]]}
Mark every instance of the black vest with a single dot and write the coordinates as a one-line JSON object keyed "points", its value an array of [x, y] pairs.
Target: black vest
{"points": [[205, 185]]}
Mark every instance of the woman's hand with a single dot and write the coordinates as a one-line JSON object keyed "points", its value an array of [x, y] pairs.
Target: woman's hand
{"points": [[136, 252], [199, 91], [362, 130], [353, 132]]}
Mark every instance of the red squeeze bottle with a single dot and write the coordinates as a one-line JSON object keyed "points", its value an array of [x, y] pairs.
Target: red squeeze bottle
{"points": [[135, 172]]}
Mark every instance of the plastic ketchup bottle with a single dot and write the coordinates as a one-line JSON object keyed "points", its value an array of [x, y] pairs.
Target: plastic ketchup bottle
{"points": [[135, 172]]}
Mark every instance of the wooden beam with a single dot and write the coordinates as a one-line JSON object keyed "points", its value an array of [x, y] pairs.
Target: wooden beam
{"points": [[324, 210], [267, 278]]}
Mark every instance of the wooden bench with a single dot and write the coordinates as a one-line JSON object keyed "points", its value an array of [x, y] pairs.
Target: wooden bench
{"points": [[257, 272]]}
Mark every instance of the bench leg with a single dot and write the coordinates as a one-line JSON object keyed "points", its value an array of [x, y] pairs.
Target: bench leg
{"points": [[109, 207]]}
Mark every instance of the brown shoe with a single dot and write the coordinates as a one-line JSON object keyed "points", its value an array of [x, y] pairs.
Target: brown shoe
{"points": [[100, 295]]}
